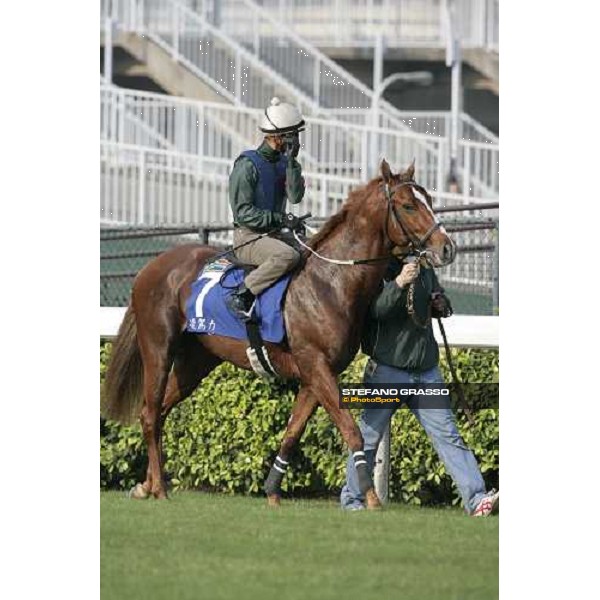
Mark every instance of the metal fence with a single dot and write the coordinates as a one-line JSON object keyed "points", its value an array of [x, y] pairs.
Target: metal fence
{"points": [[125, 250], [471, 281]]}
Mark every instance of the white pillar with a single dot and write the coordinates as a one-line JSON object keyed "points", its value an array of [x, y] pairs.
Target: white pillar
{"points": [[108, 49], [141, 188], [377, 80], [378, 61], [453, 60], [381, 473], [456, 101]]}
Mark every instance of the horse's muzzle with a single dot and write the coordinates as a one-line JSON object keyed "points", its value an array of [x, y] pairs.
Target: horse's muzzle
{"points": [[449, 252], [442, 256]]}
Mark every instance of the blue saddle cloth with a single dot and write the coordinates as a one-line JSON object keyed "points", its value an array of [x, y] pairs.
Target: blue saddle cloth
{"points": [[207, 312]]}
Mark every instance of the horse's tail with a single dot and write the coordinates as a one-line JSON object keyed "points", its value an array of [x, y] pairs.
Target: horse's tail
{"points": [[122, 394]]}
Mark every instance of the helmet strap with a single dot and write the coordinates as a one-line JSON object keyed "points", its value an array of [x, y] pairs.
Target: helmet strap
{"points": [[269, 119]]}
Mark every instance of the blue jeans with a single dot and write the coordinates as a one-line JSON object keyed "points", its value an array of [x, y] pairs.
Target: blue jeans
{"points": [[440, 426]]}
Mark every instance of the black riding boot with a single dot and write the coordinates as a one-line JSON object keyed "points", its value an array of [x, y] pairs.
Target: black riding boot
{"points": [[240, 302]]}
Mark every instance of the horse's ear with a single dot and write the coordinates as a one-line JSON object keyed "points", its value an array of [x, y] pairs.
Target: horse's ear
{"points": [[410, 172], [386, 172]]}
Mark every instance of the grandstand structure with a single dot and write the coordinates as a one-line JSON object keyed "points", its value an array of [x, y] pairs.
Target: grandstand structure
{"points": [[165, 157]]}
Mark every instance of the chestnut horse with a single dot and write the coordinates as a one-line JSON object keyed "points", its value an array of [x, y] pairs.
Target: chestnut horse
{"points": [[324, 309]]}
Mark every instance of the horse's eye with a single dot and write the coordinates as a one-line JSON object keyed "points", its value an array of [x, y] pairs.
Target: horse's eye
{"points": [[409, 207]]}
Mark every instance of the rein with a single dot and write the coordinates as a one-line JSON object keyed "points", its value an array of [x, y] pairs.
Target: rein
{"points": [[415, 244], [337, 261]]}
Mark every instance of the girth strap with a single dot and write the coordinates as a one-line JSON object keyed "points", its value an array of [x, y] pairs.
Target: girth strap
{"points": [[257, 353]]}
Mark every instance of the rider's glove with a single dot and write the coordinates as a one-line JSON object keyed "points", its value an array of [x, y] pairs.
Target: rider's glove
{"points": [[291, 221], [292, 144]]}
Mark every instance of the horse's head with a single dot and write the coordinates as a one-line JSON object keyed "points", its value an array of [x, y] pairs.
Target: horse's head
{"points": [[410, 223]]}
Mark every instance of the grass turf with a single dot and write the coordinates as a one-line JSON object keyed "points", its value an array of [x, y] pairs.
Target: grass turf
{"points": [[203, 546]]}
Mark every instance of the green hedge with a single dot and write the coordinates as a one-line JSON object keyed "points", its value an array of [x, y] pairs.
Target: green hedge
{"points": [[224, 437]]}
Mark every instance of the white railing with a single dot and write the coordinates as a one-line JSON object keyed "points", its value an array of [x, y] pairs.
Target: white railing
{"points": [[492, 18], [128, 14], [147, 186], [468, 331], [152, 186], [232, 41], [404, 23], [218, 130], [250, 57], [478, 168], [221, 131], [243, 77], [276, 44], [429, 122], [174, 123], [179, 124], [473, 130], [230, 69]]}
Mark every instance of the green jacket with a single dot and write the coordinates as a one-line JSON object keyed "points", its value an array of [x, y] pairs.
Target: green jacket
{"points": [[242, 185], [391, 336]]}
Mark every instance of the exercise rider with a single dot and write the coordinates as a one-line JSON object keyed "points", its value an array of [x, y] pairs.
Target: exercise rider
{"points": [[260, 183]]}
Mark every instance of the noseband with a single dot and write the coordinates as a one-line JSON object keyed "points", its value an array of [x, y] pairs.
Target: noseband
{"points": [[416, 245]]}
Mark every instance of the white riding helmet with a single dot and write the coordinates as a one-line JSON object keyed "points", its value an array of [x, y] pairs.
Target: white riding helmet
{"points": [[281, 117]]}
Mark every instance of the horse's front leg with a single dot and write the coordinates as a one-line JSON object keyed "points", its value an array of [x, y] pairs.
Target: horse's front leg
{"points": [[303, 408], [326, 390]]}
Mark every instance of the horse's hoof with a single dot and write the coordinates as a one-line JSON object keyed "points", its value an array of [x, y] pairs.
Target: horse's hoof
{"points": [[138, 492], [273, 500], [372, 500]]}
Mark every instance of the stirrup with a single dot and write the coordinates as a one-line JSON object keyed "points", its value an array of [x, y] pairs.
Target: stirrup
{"points": [[246, 316], [238, 303]]}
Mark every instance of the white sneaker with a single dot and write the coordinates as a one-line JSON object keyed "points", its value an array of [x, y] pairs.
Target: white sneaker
{"points": [[352, 507], [489, 504]]}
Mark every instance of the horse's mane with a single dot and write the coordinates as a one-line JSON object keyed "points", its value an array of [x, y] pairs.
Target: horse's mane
{"points": [[355, 198]]}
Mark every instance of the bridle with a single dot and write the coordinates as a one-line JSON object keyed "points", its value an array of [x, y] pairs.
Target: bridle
{"points": [[416, 245]]}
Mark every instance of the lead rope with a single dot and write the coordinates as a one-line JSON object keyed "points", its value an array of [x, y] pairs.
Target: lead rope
{"points": [[410, 303], [461, 393], [410, 307]]}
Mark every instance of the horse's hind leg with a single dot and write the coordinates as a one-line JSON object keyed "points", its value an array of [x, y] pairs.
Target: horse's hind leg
{"points": [[158, 337], [156, 373], [303, 408], [192, 362]]}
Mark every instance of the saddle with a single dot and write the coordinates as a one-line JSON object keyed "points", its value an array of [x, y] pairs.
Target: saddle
{"points": [[257, 353], [286, 236], [207, 311]]}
